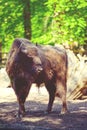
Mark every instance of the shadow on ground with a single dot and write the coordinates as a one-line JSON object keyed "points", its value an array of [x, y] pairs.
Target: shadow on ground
{"points": [[36, 119]]}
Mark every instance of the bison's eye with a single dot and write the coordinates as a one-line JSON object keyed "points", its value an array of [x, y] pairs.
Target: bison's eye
{"points": [[24, 50]]}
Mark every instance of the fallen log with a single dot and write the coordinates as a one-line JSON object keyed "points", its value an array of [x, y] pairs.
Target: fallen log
{"points": [[84, 97], [78, 93]]}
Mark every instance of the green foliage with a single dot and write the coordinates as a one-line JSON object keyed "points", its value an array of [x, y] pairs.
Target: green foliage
{"points": [[10, 22], [69, 20], [40, 22], [52, 21]]}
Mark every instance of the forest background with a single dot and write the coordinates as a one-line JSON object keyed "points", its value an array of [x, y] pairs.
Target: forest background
{"points": [[44, 22]]}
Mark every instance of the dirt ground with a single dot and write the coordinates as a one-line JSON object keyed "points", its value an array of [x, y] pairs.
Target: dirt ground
{"points": [[35, 118]]}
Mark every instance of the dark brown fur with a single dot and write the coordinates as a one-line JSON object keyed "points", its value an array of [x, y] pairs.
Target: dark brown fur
{"points": [[28, 63]]}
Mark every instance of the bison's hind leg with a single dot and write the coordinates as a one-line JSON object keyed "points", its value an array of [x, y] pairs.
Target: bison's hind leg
{"points": [[61, 92]]}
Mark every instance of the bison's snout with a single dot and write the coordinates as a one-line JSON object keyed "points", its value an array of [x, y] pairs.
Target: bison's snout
{"points": [[37, 69]]}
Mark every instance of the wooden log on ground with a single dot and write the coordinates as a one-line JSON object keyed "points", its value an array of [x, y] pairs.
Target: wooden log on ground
{"points": [[78, 93]]}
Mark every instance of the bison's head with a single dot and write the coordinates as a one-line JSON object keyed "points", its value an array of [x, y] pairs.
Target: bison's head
{"points": [[31, 58]]}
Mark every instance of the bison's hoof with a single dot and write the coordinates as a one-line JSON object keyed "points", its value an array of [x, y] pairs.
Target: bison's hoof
{"points": [[47, 112], [64, 112], [20, 115]]}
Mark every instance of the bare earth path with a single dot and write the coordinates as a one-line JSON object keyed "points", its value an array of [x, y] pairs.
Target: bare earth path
{"points": [[35, 118]]}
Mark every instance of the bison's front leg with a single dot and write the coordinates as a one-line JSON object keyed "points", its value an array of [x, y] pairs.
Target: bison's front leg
{"points": [[21, 88], [51, 90], [21, 111], [21, 97], [21, 100]]}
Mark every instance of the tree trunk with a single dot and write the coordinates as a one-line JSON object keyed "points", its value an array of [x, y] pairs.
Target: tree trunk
{"points": [[27, 19]]}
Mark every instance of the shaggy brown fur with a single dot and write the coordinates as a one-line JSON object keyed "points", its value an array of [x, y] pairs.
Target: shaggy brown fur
{"points": [[28, 63]]}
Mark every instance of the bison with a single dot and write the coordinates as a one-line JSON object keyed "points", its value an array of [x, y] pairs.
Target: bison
{"points": [[29, 63]]}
